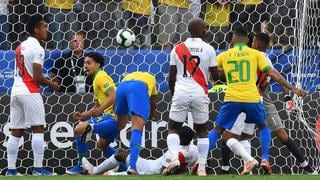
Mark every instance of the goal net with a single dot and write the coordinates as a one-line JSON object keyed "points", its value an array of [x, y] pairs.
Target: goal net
{"points": [[293, 26]]}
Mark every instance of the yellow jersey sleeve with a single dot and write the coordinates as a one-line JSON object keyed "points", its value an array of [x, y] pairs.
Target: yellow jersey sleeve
{"points": [[105, 83], [219, 60], [263, 65]]}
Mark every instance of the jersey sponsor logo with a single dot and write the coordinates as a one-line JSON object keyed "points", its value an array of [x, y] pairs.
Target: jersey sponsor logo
{"points": [[191, 65]]}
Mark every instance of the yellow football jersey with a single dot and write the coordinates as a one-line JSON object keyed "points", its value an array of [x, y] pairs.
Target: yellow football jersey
{"points": [[102, 83], [251, 2], [240, 65], [176, 3], [146, 78], [60, 4], [137, 6], [217, 15]]}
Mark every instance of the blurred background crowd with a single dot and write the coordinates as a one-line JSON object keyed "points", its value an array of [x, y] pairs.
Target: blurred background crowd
{"points": [[158, 24]]}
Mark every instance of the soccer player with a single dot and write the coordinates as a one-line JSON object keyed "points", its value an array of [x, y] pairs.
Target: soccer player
{"points": [[190, 63], [188, 155], [26, 106], [240, 65], [104, 93], [136, 97], [261, 42]]}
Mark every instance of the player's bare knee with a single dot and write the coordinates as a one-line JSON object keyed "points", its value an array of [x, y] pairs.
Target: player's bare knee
{"points": [[174, 127], [218, 129], [227, 135], [102, 144], [201, 130], [121, 155], [282, 135], [244, 136], [17, 132], [37, 129]]}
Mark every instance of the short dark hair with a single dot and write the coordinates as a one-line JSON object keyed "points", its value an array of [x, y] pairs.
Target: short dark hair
{"points": [[263, 37], [81, 33], [240, 31], [98, 58], [33, 22], [186, 135]]}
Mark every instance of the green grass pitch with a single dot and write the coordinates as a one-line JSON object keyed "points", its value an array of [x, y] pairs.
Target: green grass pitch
{"points": [[180, 177]]}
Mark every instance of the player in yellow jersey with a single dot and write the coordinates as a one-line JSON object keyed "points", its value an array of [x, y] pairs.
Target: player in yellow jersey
{"points": [[102, 120], [240, 65], [136, 97]]}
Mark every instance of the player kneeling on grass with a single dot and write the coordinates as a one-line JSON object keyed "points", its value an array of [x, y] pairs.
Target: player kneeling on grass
{"points": [[104, 94], [188, 155]]}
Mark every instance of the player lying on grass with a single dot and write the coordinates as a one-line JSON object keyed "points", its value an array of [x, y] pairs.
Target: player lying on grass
{"points": [[104, 94], [188, 155], [260, 42]]}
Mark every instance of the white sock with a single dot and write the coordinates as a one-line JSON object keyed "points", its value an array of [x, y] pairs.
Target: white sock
{"points": [[203, 148], [238, 149], [12, 151], [106, 165], [247, 146], [173, 142], [38, 149], [304, 164]]}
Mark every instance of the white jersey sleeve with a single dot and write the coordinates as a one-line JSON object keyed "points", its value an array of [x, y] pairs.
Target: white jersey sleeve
{"points": [[38, 54], [173, 57]]}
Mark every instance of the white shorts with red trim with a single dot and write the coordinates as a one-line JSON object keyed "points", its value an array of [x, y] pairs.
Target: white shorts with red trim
{"points": [[197, 105], [26, 111]]}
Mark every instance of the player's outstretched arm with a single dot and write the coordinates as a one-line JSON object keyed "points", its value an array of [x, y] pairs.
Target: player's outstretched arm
{"points": [[275, 75], [38, 77], [172, 78]]}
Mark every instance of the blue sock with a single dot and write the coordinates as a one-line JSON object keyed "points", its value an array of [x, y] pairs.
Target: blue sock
{"points": [[265, 138], [82, 149], [122, 167], [213, 138], [135, 143], [109, 151]]}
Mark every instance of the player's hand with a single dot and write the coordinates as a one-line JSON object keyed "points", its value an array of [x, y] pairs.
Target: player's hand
{"points": [[289, 106], [55, 86], [299, 92], [95, 111], [77, 116]]}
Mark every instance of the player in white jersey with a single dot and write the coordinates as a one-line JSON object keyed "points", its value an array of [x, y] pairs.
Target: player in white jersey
{"points": [[190, 63], [26, 106], [260, 42], [188, 155]]}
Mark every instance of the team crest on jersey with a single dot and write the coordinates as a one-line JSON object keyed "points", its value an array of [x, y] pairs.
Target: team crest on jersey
{"points": [[106, 85]]}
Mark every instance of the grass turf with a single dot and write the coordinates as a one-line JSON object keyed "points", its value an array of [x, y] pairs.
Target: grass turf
{"points": [[181, 177]]}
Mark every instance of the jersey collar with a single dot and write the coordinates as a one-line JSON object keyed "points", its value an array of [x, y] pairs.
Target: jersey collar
{"points": [[240, 45], [194, 39], [95, 73]]}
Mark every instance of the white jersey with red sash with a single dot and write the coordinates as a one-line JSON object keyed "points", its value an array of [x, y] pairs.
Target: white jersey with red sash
{"points": [[193, 59], [27, 53]]}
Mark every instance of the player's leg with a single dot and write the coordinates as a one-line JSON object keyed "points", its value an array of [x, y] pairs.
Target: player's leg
{"points": [[256, 114], [177, 115], [200, 114], [276, 126], [236, 147], [236, 129], [17, 127], [35, 117], [226, 118], [139, 108]]}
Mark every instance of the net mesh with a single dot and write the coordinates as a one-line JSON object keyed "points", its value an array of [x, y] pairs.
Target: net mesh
{"points": [[292, 25]]}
